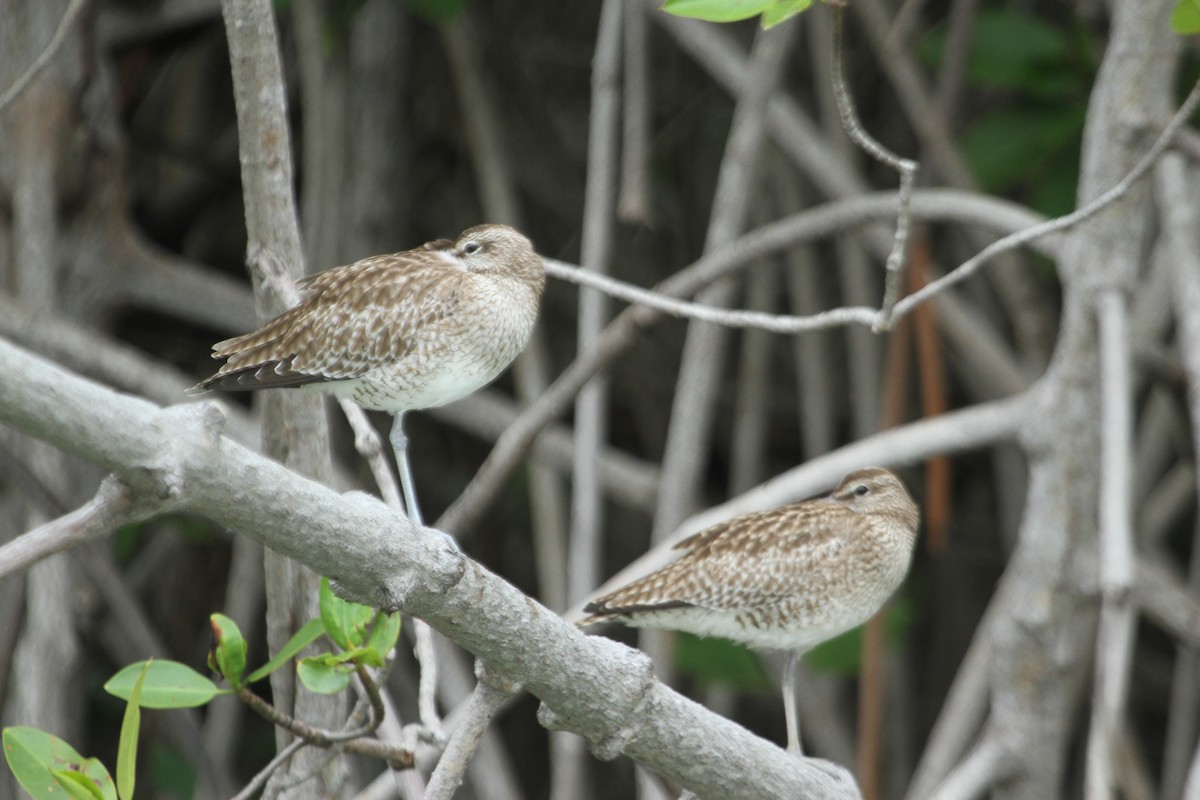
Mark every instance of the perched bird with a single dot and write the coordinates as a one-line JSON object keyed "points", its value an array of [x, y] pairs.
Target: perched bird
{"points": [[398, 332], [785, 579]]}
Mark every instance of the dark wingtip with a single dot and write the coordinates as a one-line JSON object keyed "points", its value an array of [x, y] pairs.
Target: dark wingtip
{"points": [[261, 376]]}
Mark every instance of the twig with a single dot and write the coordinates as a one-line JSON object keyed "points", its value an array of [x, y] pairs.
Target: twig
{"points": [[1015, 240], [114, 505], [1166, 600], [264, 774], [353, 741], [1114, 642], [961, 714], [370, 446], [485, 701], [427, 686], [906, 167], [988, 763], [701, 312], [26, 78]]}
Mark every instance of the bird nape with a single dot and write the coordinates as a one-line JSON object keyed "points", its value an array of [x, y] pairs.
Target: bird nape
{"points": [[785, 579], [398, 332]]}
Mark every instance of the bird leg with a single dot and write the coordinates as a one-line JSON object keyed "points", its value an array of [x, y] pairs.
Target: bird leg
{"points": [[400, 447], [789, 703]]}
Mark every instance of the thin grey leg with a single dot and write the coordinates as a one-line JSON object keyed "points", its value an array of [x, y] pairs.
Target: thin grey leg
{"points": [[400, 447], [789, 703]]}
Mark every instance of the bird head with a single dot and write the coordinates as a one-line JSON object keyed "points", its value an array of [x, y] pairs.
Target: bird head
{"points": [[876, 491], [499, 248]]}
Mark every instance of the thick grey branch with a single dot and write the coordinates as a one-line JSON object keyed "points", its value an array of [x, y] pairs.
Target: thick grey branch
{"points": [[597, 688]]}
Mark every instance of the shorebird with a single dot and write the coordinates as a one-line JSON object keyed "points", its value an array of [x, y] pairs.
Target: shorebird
{"points": [[785, 579], [398, 332]]}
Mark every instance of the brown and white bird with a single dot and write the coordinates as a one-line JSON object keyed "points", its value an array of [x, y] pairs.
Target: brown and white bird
{"points": [[399, 332], [785, 579]]}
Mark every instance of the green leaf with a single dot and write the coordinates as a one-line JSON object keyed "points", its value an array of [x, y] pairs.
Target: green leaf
{"points": [[300, 640], [230, 649], [717, 661], [345, 622], [780, 10], [34, 756], [717, 10], [1185, 17], [127, 745], [77, 785], [384, 634], [168, 684], [324, 675]]}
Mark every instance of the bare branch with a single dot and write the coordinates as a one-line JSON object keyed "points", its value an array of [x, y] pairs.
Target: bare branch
{"points": [[259, 780], [986, 764], [481, 708], [702, 312], [906, 167], [31, 72], [114, 505], [1165, 599], [1020, 238]]}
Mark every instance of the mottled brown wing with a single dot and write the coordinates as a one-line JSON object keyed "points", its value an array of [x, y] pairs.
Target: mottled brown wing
{"points": [[352, 318], [742, 560]]}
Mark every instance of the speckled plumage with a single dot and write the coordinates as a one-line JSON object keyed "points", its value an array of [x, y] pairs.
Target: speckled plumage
{"points": [[399, 332], [788, 578]]}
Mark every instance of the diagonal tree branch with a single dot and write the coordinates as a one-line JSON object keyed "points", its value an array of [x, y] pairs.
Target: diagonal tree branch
{"points": [[597, 688]]}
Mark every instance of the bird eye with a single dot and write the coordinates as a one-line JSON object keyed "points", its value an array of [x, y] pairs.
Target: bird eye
{"points": [[471, 248], [861, 490]]}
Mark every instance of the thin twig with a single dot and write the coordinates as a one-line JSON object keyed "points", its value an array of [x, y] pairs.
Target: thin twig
{"points": [[369, 445], [353, 741], [39, 63], [906, 167], [484, 703], [1015, 240], [260, 780], [427, 687], [775, 323]]}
